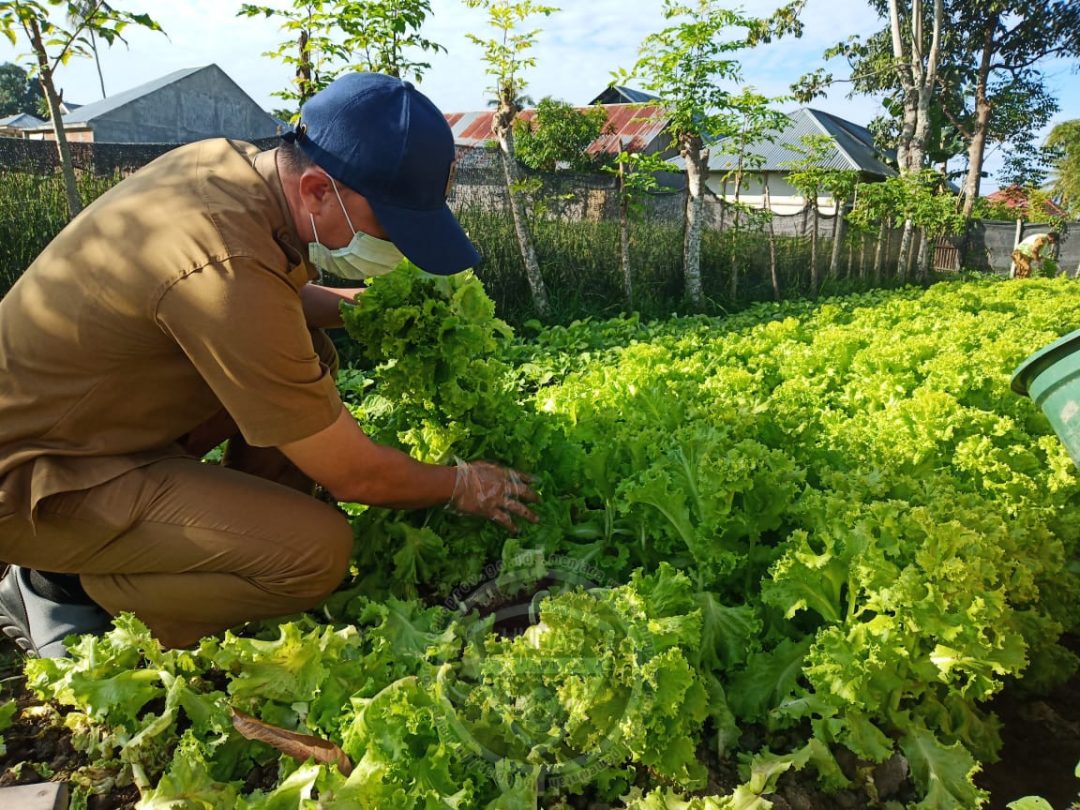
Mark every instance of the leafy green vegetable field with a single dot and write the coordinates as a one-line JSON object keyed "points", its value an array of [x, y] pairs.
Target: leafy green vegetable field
{"points": [[810, 538]]}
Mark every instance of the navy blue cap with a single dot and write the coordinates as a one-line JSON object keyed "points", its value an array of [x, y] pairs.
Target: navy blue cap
{"points": [[387, 141]]}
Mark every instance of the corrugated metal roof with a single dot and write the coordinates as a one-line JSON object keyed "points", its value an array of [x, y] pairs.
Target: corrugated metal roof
{"points": [[21, 120], [629, 126], [623, 95], [853, 146], [87, 112]]}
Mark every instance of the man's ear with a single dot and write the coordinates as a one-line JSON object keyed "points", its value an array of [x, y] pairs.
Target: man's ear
{"points": [[315, 188]]}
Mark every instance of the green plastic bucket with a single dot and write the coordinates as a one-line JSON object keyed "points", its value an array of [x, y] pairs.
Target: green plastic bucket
{"points": [[1051, 377]]}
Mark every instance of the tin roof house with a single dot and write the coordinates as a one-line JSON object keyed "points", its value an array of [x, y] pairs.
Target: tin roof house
{"points": [[184, 106], [633, 127], [852, 147], [15, 126]]}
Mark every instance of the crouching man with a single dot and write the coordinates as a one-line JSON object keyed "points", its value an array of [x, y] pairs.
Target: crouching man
{"points": [[178, 310]]}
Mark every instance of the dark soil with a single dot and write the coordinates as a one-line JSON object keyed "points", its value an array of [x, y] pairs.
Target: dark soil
{"points": [[1041, 746], [1040, 753]]}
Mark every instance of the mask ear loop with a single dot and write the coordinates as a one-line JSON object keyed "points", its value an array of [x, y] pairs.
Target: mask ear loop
{"points": [[342, 204], [317, 242]]}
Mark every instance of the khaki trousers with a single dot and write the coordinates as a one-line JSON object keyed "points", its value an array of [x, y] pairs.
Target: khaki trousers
{"points": [[193, 548], [1023, 265], [190, 548]]}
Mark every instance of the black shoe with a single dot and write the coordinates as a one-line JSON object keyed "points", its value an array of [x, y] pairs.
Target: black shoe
{"points": [[37, 625]]}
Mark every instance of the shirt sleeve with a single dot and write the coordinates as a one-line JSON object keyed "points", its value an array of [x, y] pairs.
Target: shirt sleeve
{"points": [[243, 328]]}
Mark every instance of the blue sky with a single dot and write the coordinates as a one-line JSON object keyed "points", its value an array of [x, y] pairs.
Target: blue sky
{"points": [[576, 52]]}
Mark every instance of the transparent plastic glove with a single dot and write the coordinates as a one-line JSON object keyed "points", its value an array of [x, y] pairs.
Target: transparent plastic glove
{"points": [[490, 491]]}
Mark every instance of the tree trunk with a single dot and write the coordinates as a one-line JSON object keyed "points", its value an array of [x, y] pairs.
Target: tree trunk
{"points": [[521, 226], [45, 76], [304, 82], [735, 256], [850, 273], [814, 280], [906, 243], [862, 256], [901, 61], [882, 233], [977, 147], [772, 245], [925, 78], [735, 230], [97, 61], [926, 249], [624, 241], [839, 232], [696, 162]]}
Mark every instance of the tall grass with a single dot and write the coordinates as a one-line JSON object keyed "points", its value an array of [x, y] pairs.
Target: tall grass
{"points": [[579, 261], [33, 209]]}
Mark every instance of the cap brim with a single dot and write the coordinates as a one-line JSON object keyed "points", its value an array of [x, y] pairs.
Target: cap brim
{"points": [[432, 240]]}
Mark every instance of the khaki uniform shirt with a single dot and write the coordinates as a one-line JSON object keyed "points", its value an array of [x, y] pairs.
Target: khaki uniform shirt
{"points": [[1032, 247], [173, 295]]}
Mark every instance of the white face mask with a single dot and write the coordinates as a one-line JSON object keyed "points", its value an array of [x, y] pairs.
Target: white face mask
{"points": [[364, 257]]}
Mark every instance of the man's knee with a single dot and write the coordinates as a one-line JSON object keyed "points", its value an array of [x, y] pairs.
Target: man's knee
{"points": [[324, 561]]}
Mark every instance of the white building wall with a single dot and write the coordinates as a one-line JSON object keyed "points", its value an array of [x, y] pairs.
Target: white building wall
{"points": [[784, 198]]}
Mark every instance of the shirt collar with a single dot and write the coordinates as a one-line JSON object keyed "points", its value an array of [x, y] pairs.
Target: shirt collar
{"points": [[265, 164]]}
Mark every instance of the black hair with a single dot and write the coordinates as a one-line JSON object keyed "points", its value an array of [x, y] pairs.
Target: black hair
{"points": [[293, 158]]}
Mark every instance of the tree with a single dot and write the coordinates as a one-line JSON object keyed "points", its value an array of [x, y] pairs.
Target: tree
{"points": [[77, 12], [53, 45], [506, 58], [385, 32], [1064, 138], [684, 65], [916, 67], [808, 176], [990, 89], [1007, 38], [329, 37], [18, 94], [636, 173], [755, 122], [558, 136], [309, 49], [1026, 164]]}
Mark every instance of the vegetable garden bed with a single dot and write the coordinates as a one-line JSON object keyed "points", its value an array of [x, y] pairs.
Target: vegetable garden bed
{"points": [[787, 558]]}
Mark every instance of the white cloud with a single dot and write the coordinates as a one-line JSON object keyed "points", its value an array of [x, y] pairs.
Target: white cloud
{"points": [[576, 52]]}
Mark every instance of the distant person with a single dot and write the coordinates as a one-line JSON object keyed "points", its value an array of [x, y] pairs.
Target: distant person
{"points": [[1035, 248], [177, 312]]}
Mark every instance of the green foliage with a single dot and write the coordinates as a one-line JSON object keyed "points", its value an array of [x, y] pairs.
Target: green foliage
{"points": [[61, 43], [756, 124], [834, 521], [687, 62], [18, 94], [329, 37], [918, 196], [385, 32], [309, 47], [637, 177], [506, 52], [1026, 165], [558, 136], [1065, 138], [808, 174], [1027, 203]]}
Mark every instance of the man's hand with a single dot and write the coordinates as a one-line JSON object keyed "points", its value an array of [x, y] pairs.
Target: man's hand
{"points": [[493, 492]]}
